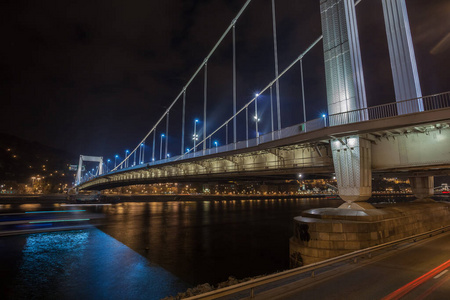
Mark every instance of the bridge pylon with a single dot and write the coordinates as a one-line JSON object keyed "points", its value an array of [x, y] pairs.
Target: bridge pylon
{"points": [[345, 93], [402, 57], [84, 158]]}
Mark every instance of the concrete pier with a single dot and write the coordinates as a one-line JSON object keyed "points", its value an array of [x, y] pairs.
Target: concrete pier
{"points": [[323, 233]]}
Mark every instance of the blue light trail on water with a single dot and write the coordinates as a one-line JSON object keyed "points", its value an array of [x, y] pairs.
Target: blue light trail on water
{"points": [[53, 211], [53, 221]]}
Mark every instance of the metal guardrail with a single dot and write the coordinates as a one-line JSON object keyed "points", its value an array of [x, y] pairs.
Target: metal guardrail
{"points": [[259, 282], [393, 109], [410, 106]]}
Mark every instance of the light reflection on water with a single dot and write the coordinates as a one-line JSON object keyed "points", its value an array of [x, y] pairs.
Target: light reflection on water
{"points": [[84, 264], [149, 250], [208, 241]]}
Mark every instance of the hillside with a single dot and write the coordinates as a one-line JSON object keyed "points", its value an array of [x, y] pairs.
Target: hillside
{"points": [[20, 160]]}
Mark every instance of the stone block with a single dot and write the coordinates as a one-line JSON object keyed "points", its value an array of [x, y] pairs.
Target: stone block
{"points": [[324, 245], [323, 227], [364, 236], [338, 245], [350, 227], [337, 227], [352, 245], [351, 236], [374, 236], [337, 236], [324, 236]]}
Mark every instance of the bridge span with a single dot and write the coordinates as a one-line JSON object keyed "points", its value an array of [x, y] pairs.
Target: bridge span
{"points": [[410, 145], [408, 137]]}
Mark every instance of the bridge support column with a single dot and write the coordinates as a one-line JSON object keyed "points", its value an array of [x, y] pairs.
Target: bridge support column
{"points": [[342, 55], [401, 53], [352, 164], [422, 187]]}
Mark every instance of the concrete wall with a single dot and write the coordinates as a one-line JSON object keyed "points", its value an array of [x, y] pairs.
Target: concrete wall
{"points": [[324, 233]]}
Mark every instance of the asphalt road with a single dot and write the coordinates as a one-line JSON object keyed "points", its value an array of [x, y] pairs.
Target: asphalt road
{"points": [[415, 271]]}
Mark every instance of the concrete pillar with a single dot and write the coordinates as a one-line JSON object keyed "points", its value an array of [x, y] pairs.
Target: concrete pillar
{"points": [[422, 187], [401, 53], [352, 164], [100, 166], [343, 67], [80, 166]]}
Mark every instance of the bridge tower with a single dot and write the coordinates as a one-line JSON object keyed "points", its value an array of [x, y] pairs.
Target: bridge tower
{"points": [[405, 75], [401, 54], [346, 92], [84, 158]]}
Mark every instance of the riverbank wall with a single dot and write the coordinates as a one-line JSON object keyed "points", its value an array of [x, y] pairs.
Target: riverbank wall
{"points": [[324, 233]]}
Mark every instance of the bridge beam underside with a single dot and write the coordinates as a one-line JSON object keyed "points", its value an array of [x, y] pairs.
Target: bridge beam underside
{"points": [[352, 164], [342, 55], [402, 57], [283, 163]]}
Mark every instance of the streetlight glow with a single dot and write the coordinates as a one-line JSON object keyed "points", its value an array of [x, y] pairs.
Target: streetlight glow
{"points": [[160, 146], [195, 136]]}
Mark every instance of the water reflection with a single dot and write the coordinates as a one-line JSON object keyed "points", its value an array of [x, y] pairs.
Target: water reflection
{"points": [[83, 264], [207, 241]]}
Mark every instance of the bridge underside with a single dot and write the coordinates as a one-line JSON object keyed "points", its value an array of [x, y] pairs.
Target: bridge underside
{"points": [[407, 146]]}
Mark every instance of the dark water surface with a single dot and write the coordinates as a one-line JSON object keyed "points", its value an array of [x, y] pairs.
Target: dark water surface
{"points": [[148, 250]]}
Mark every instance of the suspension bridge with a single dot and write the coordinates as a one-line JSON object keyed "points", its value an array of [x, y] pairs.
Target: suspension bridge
{"points": [[409, 136]]}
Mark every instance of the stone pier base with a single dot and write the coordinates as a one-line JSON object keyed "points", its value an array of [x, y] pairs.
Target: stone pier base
{"points": [[324, 233]]}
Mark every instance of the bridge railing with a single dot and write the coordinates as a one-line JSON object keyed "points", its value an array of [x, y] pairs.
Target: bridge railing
{"points": [[394, 109]]}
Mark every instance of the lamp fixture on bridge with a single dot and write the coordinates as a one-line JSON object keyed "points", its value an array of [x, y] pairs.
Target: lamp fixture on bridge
{"points": [[195, 136], [115, 160]]}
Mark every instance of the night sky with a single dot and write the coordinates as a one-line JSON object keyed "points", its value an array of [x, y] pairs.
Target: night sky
{"points": [[92, 77]]}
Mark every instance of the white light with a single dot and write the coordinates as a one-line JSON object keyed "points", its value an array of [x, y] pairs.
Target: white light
{"points": [[351, 142], [256, 95], [300, 175]]}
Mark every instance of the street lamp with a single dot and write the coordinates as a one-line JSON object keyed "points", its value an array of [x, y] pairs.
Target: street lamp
{"points": [[141, 153], [195, 136], [107, 165], [160, 146], [115, 160], [216, 144], [126, 154], [256, 117], [324, 116]]}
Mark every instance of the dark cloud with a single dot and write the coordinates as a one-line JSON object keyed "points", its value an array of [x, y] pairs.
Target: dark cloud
{"points": [[92, 77]]}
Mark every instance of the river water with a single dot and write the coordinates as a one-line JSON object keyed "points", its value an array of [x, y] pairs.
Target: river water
{"points": [[149, 250]]}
